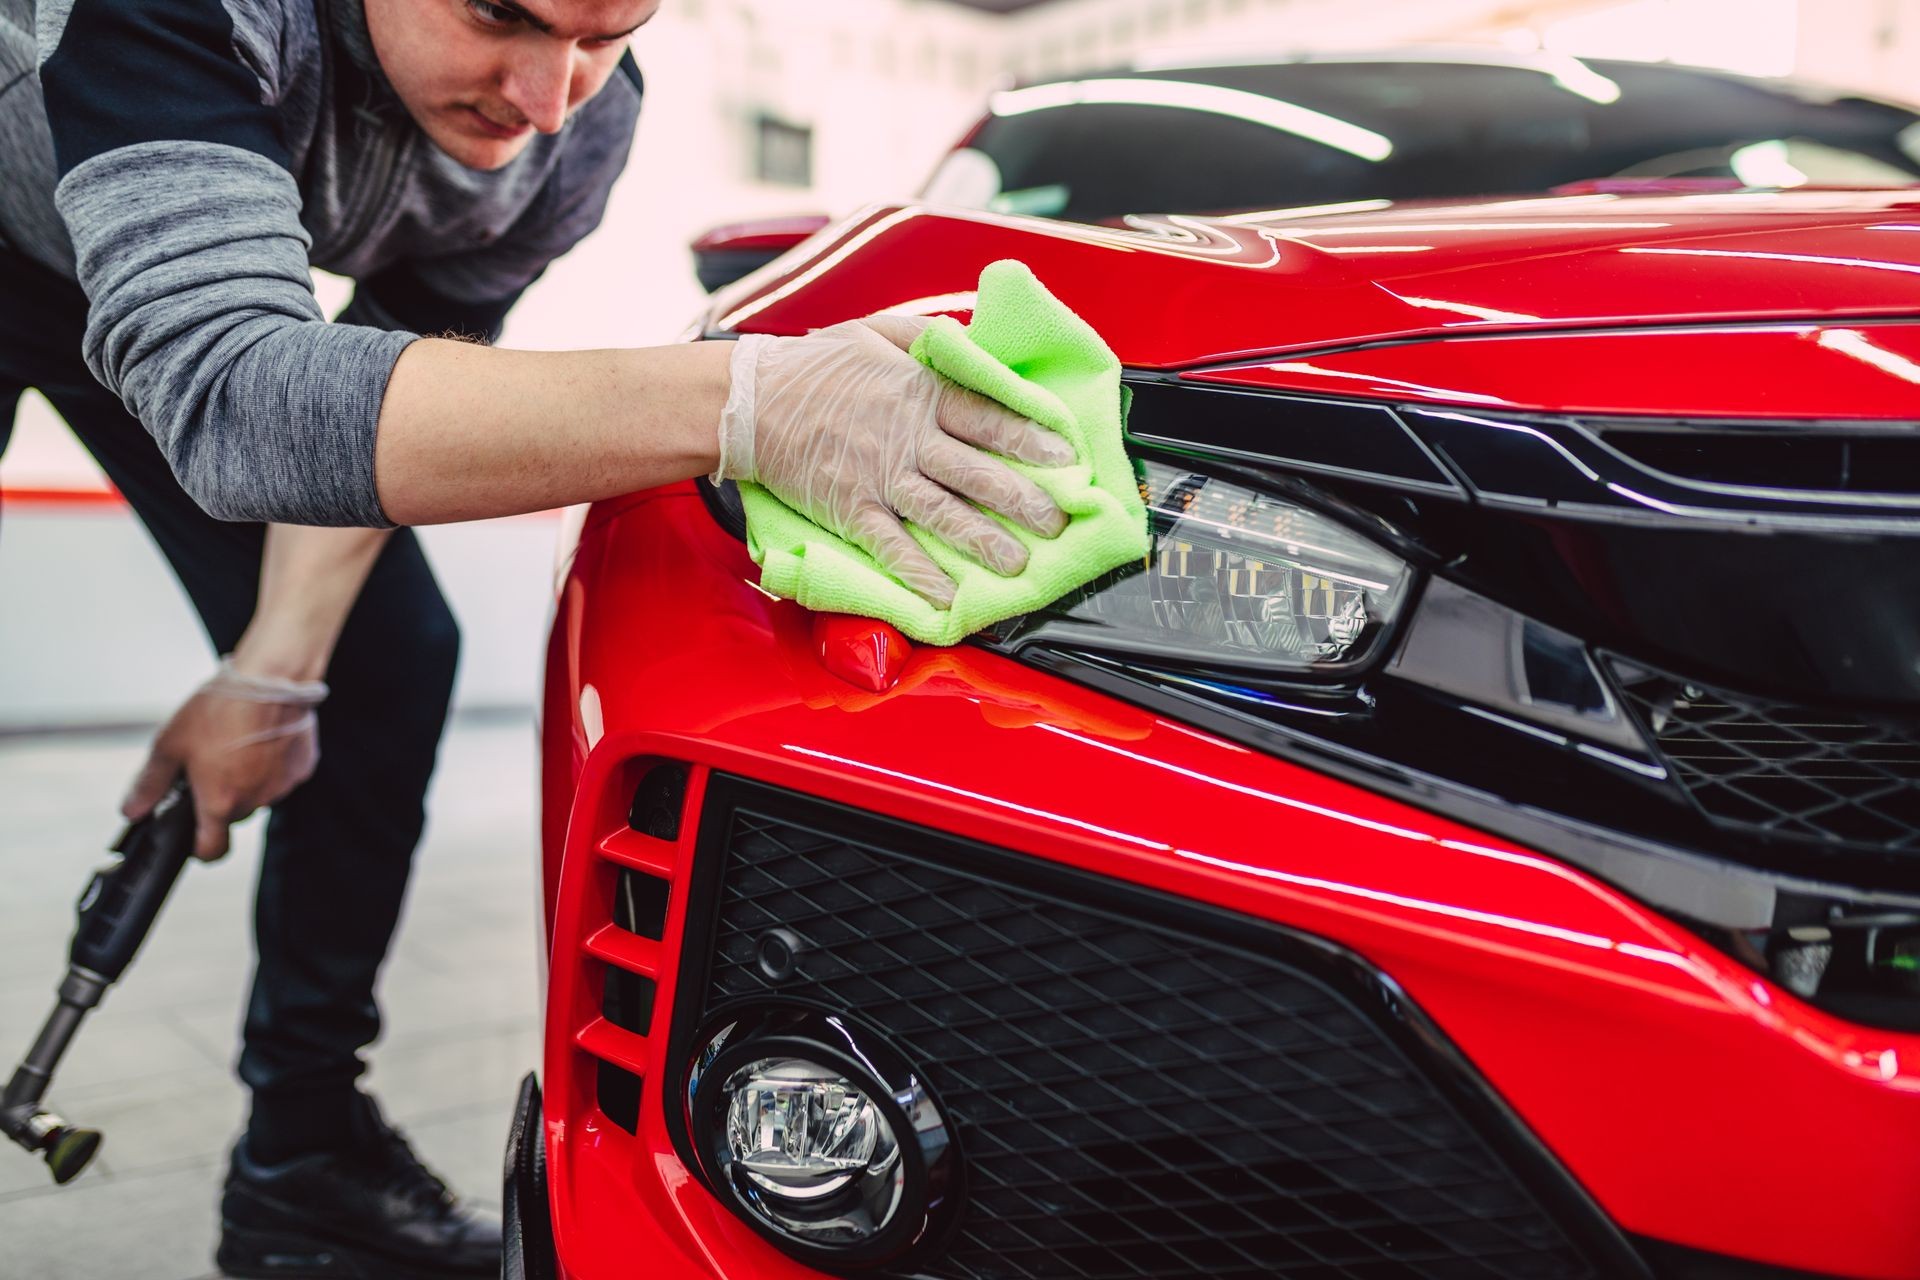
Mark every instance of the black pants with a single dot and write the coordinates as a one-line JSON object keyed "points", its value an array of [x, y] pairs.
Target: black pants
{"points": [[338, 849]]}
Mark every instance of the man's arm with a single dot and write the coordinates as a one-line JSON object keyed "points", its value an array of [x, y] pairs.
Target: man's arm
{"points": [[843, 425], [468, 432], [177, 190], [187, 238], [185, 220], [309, 579]]}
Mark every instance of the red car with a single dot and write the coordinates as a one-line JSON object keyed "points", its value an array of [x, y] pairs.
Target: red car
{"points": [[1483, 839]]}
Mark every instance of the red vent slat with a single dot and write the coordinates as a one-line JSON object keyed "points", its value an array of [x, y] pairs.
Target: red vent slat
{"points": [[641, 852], [611, 1044], [631, 952]]}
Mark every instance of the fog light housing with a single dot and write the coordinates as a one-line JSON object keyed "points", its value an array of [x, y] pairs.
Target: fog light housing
{"points": [[820, 1136]]}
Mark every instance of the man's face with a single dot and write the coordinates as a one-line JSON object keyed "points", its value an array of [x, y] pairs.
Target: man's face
{"points": [[481, 76]]}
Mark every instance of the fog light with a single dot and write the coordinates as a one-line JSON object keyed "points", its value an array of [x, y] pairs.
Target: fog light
{"points": [[800, 1131], [820, 1136]]}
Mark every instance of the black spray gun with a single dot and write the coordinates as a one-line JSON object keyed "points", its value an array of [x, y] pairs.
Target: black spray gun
{"points": [[116, 911]]}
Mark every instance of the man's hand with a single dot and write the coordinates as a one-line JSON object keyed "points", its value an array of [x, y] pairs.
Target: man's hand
{"points": [[851, 431], [248, 736], [243, 741]]}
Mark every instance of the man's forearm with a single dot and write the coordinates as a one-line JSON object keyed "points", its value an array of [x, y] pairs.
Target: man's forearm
{"points": [[309, 579], [468, 432]]}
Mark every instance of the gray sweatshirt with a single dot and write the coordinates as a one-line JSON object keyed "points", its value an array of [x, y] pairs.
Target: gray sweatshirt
{"points": [[186, 160]]}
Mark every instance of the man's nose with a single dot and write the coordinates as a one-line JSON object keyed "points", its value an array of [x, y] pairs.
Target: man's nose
{"points": [[539, 83]]}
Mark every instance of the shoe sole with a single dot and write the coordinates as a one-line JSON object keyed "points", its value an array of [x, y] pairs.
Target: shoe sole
{"points": [[249, 1254]]}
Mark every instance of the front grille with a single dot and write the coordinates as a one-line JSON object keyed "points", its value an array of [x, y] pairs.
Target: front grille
{"points": [[1781, 770], [1141, 1089]]}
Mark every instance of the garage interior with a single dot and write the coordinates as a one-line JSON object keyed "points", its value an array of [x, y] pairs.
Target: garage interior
{"points": [[754, 108]]}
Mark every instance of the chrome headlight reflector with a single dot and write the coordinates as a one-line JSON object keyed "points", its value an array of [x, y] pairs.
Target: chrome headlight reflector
{"points": [[1236, 578], [799, 1131]]}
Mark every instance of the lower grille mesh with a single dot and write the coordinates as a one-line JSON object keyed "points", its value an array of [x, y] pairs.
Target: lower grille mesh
{"points": [[1806, 774], [1133, 1102]]}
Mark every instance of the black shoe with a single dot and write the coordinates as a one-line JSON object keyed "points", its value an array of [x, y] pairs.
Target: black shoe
{"points": [[370, 1213]]}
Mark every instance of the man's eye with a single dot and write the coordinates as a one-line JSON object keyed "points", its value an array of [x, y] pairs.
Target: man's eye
{"points": [[492, 14]]}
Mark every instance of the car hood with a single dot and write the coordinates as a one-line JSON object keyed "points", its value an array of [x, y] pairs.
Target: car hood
{"points": [[1174, 291]]}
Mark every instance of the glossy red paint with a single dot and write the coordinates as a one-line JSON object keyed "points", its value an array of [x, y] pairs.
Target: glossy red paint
{"points": [[1176, 291], [861, 651], [1807, 371], [1679, 1088]]}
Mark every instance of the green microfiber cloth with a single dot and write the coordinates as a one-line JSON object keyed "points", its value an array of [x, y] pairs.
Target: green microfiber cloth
{"points": [[1029, 352]]}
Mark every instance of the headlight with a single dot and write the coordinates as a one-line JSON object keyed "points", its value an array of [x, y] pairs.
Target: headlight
{"points": [[820, 1136], [1236, 578]]}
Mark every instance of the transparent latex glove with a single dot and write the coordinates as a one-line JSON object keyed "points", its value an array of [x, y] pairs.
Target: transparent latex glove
{"points": [[243, 741], [848, 429]]}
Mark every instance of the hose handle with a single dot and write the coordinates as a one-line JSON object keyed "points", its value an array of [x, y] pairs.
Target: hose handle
{"points": [[121, 901]]}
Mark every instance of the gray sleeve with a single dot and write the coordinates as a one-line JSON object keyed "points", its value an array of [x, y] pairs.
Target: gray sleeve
{"points": [[202, 319]]}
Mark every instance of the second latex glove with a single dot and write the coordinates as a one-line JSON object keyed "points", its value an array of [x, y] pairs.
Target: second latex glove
{"points": [[849, 430], [243, 741]]}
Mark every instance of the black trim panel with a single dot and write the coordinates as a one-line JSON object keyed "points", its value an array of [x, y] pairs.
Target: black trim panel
{"points": [[1682, 874], [526, 1213], [1330, 437]]}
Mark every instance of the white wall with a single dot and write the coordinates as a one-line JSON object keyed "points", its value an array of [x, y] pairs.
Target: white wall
{"points": [[94, 630], [1873, 45]]}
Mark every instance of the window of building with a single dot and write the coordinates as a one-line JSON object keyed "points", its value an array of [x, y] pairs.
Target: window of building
{"points": [[782, 152]]}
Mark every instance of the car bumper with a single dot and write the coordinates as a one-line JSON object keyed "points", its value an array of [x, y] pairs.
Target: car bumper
{"points": [[1695, 1102]]}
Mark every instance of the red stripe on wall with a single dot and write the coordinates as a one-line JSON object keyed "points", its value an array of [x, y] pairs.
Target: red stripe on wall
{"points": [[85, 498]]}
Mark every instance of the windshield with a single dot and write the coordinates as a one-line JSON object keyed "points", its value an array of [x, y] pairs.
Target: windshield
{"points": [[1214, 139]]}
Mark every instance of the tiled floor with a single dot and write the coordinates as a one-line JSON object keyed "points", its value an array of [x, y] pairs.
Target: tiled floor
{"points": [[152, 1068]]}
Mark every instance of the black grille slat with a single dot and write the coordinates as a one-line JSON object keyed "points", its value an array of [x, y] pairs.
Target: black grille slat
{"points": [[1806, 774], [1134, 1102]]}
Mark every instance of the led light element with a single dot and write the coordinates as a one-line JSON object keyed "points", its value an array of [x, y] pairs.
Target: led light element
{"points": [[1235, 579], [801, 1131]]}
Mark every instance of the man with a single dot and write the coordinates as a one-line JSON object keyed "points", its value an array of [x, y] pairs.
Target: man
{"points": [[171, 170]]}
